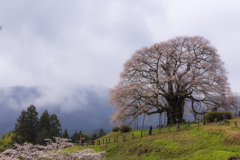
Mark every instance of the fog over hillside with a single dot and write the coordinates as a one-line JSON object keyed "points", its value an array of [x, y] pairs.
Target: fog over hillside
{"points": [[83, 108], [77, 108]]}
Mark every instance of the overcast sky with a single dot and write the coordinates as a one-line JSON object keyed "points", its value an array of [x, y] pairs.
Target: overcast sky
{"points": [[63, 44]]}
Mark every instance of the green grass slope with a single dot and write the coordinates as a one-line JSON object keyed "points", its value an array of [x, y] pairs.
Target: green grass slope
{"points": [[207, 142]]}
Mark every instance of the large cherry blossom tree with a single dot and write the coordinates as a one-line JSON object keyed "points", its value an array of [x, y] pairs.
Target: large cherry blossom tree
{"points": [[162, 77]]}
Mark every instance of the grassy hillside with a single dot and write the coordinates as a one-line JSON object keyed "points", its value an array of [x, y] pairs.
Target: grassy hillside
{"points": [[208, 142]]}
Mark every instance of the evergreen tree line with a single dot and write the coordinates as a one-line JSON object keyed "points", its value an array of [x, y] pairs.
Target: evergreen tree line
{"points": [[30, 128], [76, 135]]}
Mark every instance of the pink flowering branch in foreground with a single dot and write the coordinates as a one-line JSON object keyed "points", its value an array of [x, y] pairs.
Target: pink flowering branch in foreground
{"points": [[51, 151]]}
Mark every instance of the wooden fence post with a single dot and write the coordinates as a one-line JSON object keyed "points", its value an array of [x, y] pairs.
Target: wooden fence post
{"points": [[169, 127], [133, 136], [235, 124], [141, 134]]}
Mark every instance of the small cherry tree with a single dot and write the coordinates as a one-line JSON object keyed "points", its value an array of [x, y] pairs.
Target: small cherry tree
{"points": [[51, 151]]}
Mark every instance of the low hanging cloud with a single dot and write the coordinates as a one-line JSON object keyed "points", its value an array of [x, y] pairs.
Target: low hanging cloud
{"points": [[81, 99]]}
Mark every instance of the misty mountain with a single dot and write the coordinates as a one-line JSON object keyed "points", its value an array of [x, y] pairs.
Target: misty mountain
{"points": [[81, 108], [84, 108]]}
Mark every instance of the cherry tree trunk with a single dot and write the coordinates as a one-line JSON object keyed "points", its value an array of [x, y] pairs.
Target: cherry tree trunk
{"points": [[175, 110]]}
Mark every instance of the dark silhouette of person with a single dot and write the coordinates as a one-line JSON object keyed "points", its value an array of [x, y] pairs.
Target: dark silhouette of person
{"points": [[150, 131]]}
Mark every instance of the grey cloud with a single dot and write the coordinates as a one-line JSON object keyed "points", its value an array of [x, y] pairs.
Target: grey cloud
{"points": [[56, 44]]}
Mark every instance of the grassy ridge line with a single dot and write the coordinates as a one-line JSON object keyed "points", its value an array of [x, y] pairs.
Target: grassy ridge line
{"points": [[137, 133], [208, 142]]}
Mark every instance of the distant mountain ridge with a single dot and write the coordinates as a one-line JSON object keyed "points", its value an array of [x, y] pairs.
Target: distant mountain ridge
{"points": [[81, 108], [93, 111]]}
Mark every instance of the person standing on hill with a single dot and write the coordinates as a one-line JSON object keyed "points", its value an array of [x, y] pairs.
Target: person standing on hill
{"points": [[80, 141], [177, 124], [150, 131], [204, 119], [239, 113]]}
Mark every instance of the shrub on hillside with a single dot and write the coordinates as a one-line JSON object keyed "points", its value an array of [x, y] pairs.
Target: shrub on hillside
{"points": [[125, 129], [210, 116], [115, 129]]}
